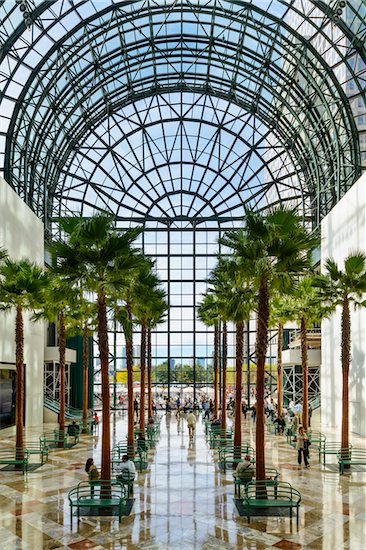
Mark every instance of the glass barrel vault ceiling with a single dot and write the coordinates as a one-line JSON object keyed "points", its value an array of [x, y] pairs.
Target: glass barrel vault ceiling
{"points": [[182, 110]]}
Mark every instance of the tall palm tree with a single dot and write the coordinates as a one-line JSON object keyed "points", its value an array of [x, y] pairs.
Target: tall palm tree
{"points": [[220, 287], [157, 315], [279, 315], [239, 308], [57, 307], [22, 285], [237, 299], [209, 314], [305, 305], [147, 283], [100, 258], [341, 288], [82, 322], [272, 249], [123, 315]]}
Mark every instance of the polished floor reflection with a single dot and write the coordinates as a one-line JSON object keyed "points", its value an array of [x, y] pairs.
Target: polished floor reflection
{"points": [[182, 501]]}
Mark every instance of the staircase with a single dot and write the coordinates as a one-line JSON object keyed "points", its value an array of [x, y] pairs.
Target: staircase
{"points": [[70, 412]]}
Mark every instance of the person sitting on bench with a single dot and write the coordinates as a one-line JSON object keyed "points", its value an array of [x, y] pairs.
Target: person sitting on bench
{"points": [[127, 472], [244, 470], [73, 429]]}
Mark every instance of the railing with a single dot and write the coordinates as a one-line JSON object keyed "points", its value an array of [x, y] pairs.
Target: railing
{"points": [[70, 412], [315, 402], [296, 335]]}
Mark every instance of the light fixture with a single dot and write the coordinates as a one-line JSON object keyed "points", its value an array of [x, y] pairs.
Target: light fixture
{"points": [[24, 8]]}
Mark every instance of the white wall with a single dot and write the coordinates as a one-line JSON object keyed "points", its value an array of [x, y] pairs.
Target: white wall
{"points": [[342, 232], [21, 233]]}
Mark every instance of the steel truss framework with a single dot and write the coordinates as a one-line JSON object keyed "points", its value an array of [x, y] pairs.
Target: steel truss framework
{"points": [[182, 109], [292, 383], [179, 115]]}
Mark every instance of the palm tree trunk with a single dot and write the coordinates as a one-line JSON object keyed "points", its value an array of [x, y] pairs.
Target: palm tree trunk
{"points": [[238, 389], [224, 365], [216, 370], [149, 381], [103, 354], [345, 359], [85, 376], [142, 371], [305, 374], [279, 370], [62, 354], [129, 365], [19, 391], [261, 350]]}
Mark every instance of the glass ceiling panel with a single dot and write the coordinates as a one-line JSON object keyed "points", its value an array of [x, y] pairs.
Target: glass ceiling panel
{"points": [[182, 109]]}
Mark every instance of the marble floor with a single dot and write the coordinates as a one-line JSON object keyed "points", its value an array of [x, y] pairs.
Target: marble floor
{"points": [[182, 501]]}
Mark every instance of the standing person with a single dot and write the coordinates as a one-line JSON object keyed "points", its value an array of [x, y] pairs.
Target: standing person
{"points": [[244, 409], [206, 408], [136, 407], [310, 412], [302, 447], [191, 423], [254, 412], [295, 426]]}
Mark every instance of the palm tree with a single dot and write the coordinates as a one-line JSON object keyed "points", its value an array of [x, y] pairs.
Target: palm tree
{"points": [[22, 285], [239, 308], [341, 288], [81, 322], [209, 314], [272, 249], [123, 316], [305, 306], [157, 315], [147, 283], [58, 301], [100, 258], [221, 288], [238, 305], [279, 315]]}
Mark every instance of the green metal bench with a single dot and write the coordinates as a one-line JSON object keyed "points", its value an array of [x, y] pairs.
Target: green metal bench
{"points": [[351, 456], [54, 439], [272, 476], [229, 454], [219, 437], [103, 493], [317, 439], [264, 495], [37, 448], [137, 454], [127, 480], [16, 457], [290, 435], [330, 448]]}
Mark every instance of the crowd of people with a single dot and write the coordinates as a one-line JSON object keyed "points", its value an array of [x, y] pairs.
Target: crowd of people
{"points": [[290, 419]]}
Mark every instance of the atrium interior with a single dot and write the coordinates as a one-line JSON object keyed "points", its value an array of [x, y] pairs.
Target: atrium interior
{"points": [[143, 143]]}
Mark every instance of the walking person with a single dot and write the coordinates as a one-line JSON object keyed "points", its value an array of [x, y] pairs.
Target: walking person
{"points": [[136, 408], [310, 412], [302, 447], [191, 423]]}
